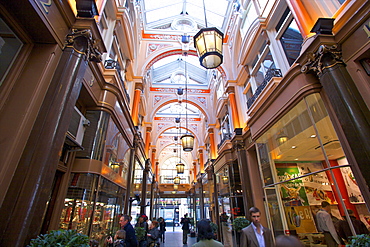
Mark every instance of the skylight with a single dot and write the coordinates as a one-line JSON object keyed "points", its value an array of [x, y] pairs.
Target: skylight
{"points": [[184, 15]]}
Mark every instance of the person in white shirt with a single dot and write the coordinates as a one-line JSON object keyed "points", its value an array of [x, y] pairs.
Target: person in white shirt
{"points": [[255, 235], [325, 225]]}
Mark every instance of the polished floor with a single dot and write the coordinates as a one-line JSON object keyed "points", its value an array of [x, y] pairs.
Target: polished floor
{"points": [[173, 238]]}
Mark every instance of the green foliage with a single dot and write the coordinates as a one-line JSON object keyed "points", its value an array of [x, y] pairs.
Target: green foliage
{"points": [[214, 227], [140, 233], [67, 238], [240, 223], [362, 240]]}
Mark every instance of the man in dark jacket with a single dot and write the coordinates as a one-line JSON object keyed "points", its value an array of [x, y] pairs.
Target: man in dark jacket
{"points": [[344, 230], [130, 240], [185, 222]]}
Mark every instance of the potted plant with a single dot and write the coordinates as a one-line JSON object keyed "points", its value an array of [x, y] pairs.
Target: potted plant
{"points": [[240, 223], [362, 240], [140, 233], [67, 238]]}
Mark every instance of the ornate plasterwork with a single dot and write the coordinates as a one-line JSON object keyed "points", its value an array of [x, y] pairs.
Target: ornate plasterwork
{"points": [[158, 98], [201, 100], [325, 57], [152, 47]]}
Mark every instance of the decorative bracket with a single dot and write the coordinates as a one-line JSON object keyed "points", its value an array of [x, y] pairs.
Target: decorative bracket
{"points": [[82, 42]]}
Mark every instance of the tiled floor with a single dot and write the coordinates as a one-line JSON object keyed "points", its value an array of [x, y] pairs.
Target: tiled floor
{"points": [[173, 238]]}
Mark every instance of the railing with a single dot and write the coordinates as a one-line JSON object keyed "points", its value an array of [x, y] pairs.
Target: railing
{"points": [[224, 138], [165, 179], [112, 64], [270, 73]]}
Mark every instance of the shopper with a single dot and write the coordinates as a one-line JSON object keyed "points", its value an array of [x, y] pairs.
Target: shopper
{"points": [[142, 221], [130, 240], [325, 224], [255, 235], [162, 229], [185, 222], [344, 230], [153, 234], [205, 235]]}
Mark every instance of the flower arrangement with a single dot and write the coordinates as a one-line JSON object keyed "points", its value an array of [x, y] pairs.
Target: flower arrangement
{"points": [[240, 223], [67, 238]]}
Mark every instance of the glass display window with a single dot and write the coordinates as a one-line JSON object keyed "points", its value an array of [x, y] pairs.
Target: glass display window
{"points": [[95, 214], [302, 164]]}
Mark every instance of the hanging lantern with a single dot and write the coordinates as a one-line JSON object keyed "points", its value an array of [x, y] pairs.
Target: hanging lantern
{"points": [[177, 120], [176, 180], [225, 179], [187, 142], [208, 43], [175, 187], [180, 167]]}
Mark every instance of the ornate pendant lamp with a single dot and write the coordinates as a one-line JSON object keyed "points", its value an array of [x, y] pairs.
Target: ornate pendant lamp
{"points": [[176, 180], [187, 139], [282, 137], [180, 167], [208, 43]]}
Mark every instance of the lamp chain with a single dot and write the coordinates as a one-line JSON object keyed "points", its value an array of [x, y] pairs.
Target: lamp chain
{"points": [[186, 94], [205, 16]]}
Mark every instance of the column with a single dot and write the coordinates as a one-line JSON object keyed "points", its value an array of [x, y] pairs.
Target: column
{"points": [[130, 176], [195, 171], [154, 167], [23, 207], [147, 140], [305, 21], [213, 154], [201, 161], [348, 107], [144, 186], [238, 145], [136, 103], [234, 108], [157, 171]]}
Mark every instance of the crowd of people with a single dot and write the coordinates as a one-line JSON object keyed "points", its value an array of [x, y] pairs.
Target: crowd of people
{"points": [[152, 233]]}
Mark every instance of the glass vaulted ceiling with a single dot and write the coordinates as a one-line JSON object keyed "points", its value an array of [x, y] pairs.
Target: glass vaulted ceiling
{"points": [[185, 15]]}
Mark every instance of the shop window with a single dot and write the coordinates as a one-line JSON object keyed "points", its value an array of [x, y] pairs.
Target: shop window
{"points": [[83, 210], [289, 35], [10, 46], [302, 163]]}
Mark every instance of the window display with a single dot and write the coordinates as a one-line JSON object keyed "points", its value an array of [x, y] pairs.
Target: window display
{"points": [[303, 164]]}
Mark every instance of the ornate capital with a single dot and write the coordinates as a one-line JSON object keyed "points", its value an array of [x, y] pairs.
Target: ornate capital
{"points": [[325, 57], [82, 42]]}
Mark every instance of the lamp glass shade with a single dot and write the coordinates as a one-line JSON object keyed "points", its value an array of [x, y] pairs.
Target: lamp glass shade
{"points": [[208, 43], [225, 179], [187, 142], [180, 167], [176, 180], [281, 139], [175, 187]]}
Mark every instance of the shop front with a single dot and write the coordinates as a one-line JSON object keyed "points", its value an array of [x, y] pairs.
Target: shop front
{"points": [[302, 164]]}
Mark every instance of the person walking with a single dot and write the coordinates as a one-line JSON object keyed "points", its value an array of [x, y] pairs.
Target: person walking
{"points": [[162, 229], [325, 224], [206, 235], [142, 222], [255, 235], [185, 222], [130, 238]]}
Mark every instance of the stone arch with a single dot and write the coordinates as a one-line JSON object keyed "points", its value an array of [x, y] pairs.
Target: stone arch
{"points": [[171, 52], [169, 101]]}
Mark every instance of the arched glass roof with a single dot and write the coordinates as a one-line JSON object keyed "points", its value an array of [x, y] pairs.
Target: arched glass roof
{"points": [[184, 15]]}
